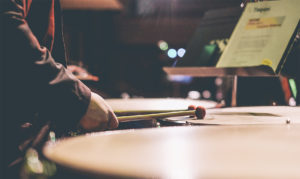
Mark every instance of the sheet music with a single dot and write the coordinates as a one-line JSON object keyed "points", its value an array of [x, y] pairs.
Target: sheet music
{"points": [[262, 34]]}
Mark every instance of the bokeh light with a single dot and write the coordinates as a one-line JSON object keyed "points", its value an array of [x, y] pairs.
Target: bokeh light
{"points": [[181, 52], [172, 53], [206, 94], [218, 81], [194, 95], [163, 45]]}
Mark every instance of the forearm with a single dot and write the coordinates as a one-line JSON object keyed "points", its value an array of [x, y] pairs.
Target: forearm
{"points": [[55, 92]]}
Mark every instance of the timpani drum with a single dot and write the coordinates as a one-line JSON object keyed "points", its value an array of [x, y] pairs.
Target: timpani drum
{"points": [[246, 116], [237, 151]]}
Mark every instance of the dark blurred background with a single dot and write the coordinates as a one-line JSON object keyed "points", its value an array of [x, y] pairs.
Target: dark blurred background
{"points": [[127, 45]]}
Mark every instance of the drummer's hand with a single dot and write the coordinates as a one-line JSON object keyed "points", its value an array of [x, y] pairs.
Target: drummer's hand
{"points": [[99, 115]]}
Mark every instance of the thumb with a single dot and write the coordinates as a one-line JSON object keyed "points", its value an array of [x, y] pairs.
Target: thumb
{"points": [[113, 121]]}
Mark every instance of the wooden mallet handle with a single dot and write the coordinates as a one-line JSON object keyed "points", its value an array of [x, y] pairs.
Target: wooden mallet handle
{"points": [[199, 112], [139, 112]]}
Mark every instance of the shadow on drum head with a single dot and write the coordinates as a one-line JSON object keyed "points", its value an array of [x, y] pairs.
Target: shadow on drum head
{"points": [[138, 124]]}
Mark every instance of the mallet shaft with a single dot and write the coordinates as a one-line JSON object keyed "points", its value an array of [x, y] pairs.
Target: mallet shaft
{"points": [[157, 115], [140, 112]]}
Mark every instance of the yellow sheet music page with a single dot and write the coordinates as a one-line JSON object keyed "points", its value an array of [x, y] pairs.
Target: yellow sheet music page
{"points": [[262, 34]]}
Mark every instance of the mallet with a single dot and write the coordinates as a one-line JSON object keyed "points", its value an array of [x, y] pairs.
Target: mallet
{"points": [[199, 112], [139, 112]]}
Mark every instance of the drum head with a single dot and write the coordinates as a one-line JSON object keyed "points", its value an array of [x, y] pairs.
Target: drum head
{"points": [[246, 116], [156, 104], [247, 151]]}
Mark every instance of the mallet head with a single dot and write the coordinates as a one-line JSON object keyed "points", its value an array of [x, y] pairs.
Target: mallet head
{"points": [[200, 112]]}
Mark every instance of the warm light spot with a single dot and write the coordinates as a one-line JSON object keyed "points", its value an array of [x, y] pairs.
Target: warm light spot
{"points": [[292, 102], [194, 95], [206, 94], [218, 81]]}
